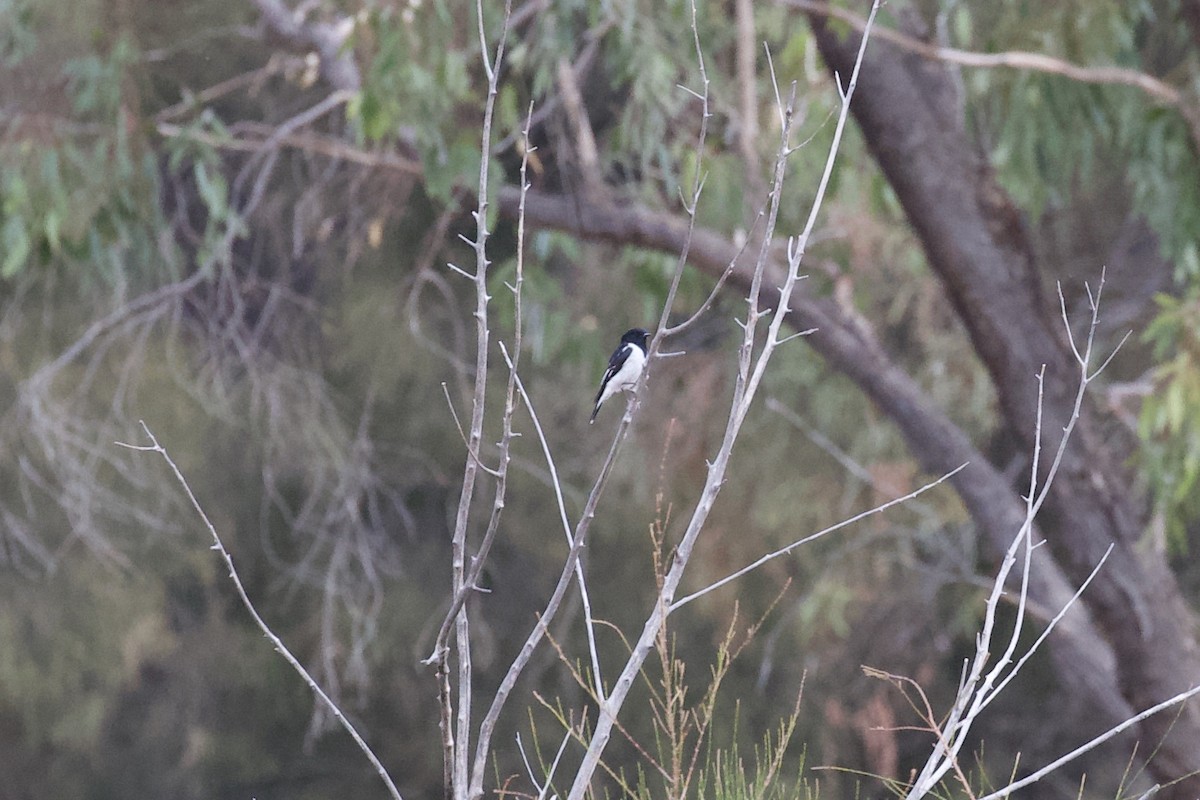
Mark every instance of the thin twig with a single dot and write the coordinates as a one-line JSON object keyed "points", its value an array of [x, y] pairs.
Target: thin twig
{"points": [[306, 142], [276, 642], [528, 767], [690, 207], [584, 596], [192, 101], [495, 473], [716, 289], [813, 537], [1097, 741], [269, 148]]}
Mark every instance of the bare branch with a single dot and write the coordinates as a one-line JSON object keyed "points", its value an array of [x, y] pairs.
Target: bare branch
{"points": [[462, 435], [562, 511], [543, 787], [813, 537], [724, 276], [979, 688], [775, 85], [307, 142], [697, 187], [528, 767], [276, 642], [1091, 745], [196, 100], [796, 335], [825, 443], [460, 270], [461, 578], [269, 151], [1052, 623]]}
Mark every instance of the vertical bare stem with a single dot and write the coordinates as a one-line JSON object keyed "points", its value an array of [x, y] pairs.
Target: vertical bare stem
{"points": [[461, 747]]}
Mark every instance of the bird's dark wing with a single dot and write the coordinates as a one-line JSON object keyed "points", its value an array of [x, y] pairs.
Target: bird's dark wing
{"points": [[615, 362]]}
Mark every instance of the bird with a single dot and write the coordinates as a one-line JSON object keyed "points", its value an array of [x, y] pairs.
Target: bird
{"points": [[624, 367]]}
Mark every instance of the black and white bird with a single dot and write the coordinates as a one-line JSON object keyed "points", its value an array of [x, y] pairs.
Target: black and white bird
{"points": [[625, 366]]}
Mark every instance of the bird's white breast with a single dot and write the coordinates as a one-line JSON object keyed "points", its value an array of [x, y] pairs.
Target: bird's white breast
{"points": [[627, 376]]}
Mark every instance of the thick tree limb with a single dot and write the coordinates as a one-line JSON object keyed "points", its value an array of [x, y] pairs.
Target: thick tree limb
{"points": [[974, 240]]}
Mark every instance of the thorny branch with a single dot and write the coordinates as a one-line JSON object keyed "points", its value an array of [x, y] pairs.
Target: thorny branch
{"points": [[456, 745]]}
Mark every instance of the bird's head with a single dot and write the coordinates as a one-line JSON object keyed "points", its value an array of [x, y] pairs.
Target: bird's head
{"points": [[636, 336]]}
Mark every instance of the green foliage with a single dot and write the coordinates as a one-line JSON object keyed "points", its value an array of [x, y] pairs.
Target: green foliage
{"points": [[1053, 137], [97, 82], [1170, 419], [727, 777], [90, 201], [80, 204], [422, 81], [190, 151], [419, 78], [1165, 176]]}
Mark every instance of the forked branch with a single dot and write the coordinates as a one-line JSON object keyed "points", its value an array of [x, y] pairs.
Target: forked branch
{"points": [[985, 676]]}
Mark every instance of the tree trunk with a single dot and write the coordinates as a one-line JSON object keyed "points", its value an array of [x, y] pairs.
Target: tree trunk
{"points": [[975, 242]]}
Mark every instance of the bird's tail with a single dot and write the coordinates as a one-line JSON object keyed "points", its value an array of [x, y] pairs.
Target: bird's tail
{"points": [[595, 411]]}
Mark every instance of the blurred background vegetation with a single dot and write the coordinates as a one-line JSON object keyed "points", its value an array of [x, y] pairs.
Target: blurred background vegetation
{"points": [[269, 293]]}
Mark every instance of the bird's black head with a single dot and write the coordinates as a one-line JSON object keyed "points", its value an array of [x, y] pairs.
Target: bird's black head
{"points": [[636, 336]]}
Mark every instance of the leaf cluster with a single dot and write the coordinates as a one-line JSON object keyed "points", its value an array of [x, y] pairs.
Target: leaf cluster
{"points": [[82, 194], [1168, 420]]}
